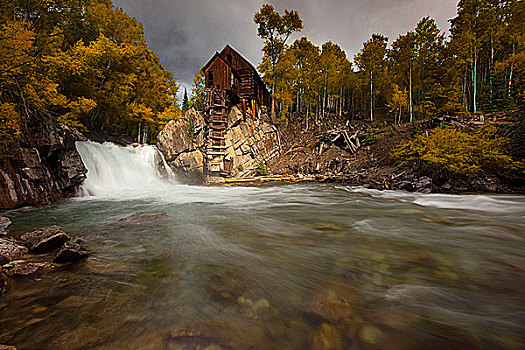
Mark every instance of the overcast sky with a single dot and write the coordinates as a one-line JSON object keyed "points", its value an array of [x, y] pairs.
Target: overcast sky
{"points": [[186, 33]]}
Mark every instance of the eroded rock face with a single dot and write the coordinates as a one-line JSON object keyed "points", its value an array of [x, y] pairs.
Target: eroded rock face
{"points": [[10, 250], [248, 141], [181, 142], [43, 167], [45, 239]]}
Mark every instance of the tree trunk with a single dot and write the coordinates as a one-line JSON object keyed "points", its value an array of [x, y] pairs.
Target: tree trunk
{"points": [[307, 115], [474, 79], [297, 103], [273, 93], [511, 69], [341, 99], [353, 105], [324, 95], [371, 97], [410, 91], [465, 102], [491, 63]]}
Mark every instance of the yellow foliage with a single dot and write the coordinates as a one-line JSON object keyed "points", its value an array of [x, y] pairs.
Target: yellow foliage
{"points": [[9, 122], [460, 152], [77, 109]]}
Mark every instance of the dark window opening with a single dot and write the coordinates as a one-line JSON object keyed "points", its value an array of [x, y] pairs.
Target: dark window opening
{"points": [[229, 58]]}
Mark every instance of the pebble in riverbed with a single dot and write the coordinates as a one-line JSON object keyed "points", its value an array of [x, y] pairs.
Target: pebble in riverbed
{"points": [[253, 310], [326, 337]]}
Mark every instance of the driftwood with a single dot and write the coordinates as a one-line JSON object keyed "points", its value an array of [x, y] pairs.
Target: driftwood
{"points": [[350, 140]]}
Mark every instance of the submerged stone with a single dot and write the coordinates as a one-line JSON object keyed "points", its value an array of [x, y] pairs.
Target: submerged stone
{"points": [[4, 224], [21, 268], [45, 239], [3, 284], [326, 227], [326, 337], [332, 308], [371, 335], [143, 217]]}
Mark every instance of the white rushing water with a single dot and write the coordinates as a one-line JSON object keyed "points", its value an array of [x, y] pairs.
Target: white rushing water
{"points": [[122, 171], [141, 173]]}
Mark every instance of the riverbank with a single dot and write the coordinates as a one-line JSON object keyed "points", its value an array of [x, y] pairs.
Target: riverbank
{"points": [[309, 154]]}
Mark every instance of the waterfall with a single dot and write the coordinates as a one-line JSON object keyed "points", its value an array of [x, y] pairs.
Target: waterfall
{"points": [[122, 171]]}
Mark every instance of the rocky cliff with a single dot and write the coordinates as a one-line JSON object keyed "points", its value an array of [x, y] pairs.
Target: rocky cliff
{"points": [[248, 142], [42, 167]]}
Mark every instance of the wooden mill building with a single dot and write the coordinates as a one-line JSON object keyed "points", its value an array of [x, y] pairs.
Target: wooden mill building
{"points": [[231, 78]]}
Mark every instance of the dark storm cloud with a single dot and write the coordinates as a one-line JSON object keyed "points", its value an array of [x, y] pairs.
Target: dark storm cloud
{"points": [[185, 34]]}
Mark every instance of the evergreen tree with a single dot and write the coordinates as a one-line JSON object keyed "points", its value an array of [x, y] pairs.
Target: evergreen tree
{"points": [[185, 101], [198, 95]]}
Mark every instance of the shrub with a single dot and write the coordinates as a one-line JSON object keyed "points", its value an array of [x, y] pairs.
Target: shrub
{"points": [[191, 131], [460, 152], [371, 137], [261, 170]]}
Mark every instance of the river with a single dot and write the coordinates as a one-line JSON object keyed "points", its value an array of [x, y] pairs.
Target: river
{"points": [[273, 267]]}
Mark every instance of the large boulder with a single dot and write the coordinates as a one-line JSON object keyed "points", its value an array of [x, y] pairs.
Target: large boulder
{"points": [[10, 250], [4, 224], [181, 142], [248, 141], [43, 167], [182, 135], [423, 184], [189, 167], [45, 239], [71, 252]]}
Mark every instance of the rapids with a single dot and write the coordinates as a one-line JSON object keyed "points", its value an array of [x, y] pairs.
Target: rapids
{"points": [[272, 267]]}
